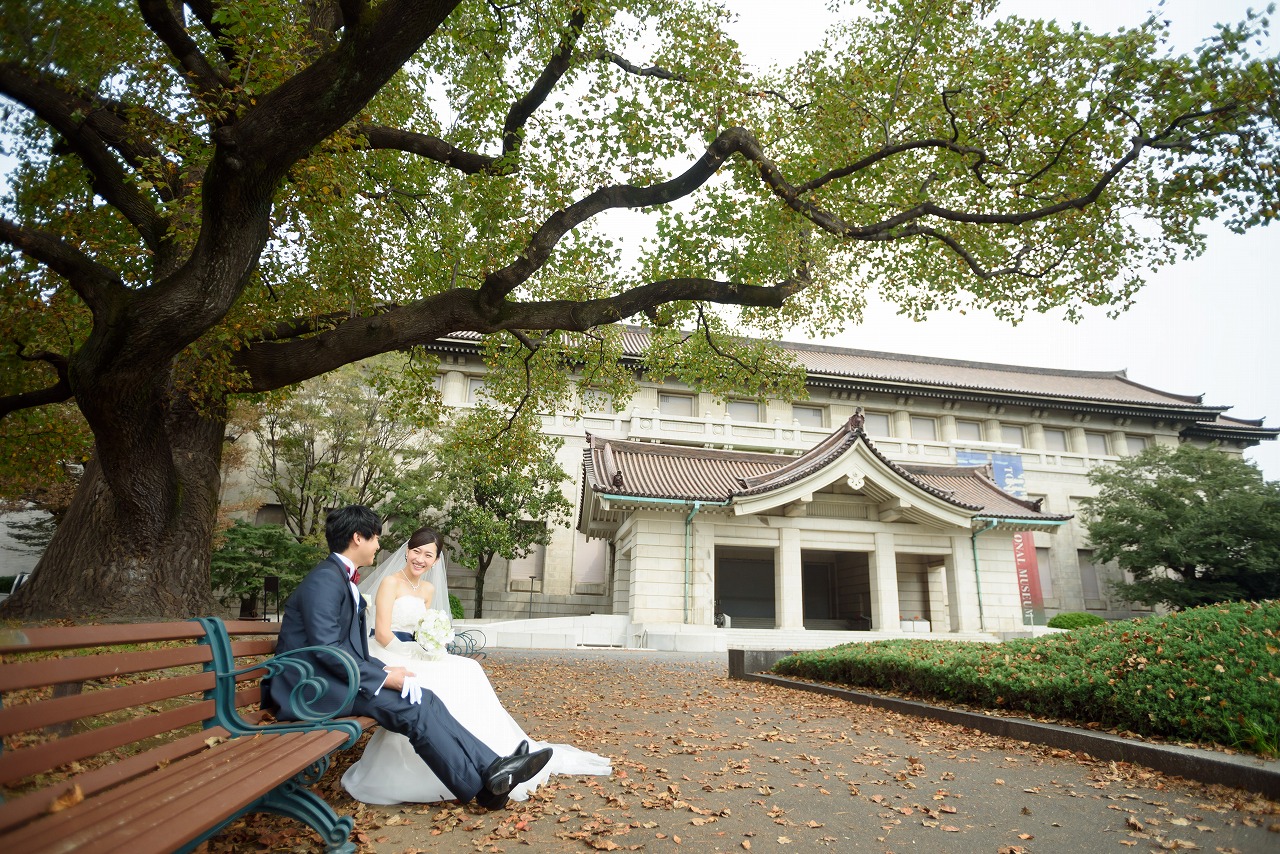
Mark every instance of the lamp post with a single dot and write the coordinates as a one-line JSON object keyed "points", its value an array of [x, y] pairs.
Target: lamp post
{"points": [[531, 578]]}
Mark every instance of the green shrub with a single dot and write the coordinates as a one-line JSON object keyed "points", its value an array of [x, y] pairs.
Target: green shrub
{"points": [[1075, 620], [455, 607], [1208, 674]]}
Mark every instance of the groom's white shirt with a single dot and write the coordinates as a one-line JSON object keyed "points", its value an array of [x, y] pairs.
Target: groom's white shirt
{"points": [[355, 591]]}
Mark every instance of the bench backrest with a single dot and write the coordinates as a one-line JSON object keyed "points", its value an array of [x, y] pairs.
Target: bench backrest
{"points": [[93, 706]]}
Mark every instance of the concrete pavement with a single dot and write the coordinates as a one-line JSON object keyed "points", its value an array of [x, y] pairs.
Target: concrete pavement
{"points": [[708, 763]]}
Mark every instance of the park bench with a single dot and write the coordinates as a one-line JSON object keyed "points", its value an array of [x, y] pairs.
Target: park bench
{"points": [[163, 759]]}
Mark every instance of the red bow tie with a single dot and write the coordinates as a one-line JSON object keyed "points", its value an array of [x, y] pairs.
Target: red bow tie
{"points": [[355, 576]]}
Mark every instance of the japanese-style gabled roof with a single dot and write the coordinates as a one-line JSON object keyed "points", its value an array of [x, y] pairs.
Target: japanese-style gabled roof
{"points": [[621, 472]]}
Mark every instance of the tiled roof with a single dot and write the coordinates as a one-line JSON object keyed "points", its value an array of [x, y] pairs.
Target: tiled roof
{"points": [[679, 473], [651, 470], [974, 485], [915, 374], [1098, 391]]}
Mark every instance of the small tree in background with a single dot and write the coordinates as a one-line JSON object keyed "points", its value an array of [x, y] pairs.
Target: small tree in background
{"points": [[248, 553], [339, 440], [1191, 526], [493, 489]]}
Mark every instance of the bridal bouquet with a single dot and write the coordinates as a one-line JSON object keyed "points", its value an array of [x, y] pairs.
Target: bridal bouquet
{"points": [[433, 632]]}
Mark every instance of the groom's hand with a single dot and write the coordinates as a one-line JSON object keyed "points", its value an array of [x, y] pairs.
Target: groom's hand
{"points": [[395, 678]]}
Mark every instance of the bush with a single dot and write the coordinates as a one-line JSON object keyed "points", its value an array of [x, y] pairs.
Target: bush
{"points": [[248, 552], [1208, 674], [1075, 620], [455, 607]]}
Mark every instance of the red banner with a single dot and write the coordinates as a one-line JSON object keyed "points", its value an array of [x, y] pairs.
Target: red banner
{"points": [[1024, 558]]}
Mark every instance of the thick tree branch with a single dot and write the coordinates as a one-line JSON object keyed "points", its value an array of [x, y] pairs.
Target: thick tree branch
{"points": [[521, 110], [425, 145], [161, 18], [272, 365], [77, 121], [59, 392], [99, 286]]}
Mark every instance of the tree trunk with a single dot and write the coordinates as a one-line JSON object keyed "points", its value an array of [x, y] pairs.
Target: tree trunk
{"points": [[482, 567], [97, 566]]}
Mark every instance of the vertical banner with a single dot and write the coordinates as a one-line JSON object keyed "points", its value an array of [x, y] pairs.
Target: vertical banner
{"points": [[1008, 475]]}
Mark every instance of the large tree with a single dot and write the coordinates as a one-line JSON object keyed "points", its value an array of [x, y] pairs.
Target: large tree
{"points": [[231, 196], [1191, 526]]}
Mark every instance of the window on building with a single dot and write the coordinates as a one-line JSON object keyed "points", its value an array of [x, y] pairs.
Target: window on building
{"points": [[521, 569], [1046, 576], [924, 428], [809, 416], [876, 424], [743, 410], [1137, 444], [594, 400], [475, 389], [1013, 435], [1055, 440], [269, 514], [589, 559], [1096, 444], [1089, 587], [969, 431], [675, 404]]}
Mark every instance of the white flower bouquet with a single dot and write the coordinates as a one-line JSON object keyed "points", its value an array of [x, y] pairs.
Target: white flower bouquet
{"points": [[434, 631]]}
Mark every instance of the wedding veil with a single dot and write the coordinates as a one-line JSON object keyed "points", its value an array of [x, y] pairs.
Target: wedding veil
{"points": [[437, 575]]}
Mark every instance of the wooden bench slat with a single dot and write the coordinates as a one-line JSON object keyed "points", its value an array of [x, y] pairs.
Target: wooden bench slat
{"points": [[234, 791], [71, 637], [33, 674], [174, 787], [160, 811], [251, 627], [257, 646], [16, 719], [26, 807], [18, 765]]}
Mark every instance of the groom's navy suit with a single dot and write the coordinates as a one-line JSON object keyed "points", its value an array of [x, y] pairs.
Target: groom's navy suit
{"points": [[324, 611]]}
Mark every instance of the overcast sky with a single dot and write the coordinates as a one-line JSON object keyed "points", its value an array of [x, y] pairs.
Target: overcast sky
{"points": [[1202, 327]]}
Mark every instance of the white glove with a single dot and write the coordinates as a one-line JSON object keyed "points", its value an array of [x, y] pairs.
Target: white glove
{"points": [[412, 690]]}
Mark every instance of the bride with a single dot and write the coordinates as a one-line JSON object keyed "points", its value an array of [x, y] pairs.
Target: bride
{"points": [[405, 586]]}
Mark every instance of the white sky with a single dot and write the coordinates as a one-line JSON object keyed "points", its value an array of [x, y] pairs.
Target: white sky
{"points": [[1201, 327]]}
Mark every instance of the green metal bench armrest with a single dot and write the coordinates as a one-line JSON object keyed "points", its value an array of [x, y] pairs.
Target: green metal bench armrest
{"points": [[467, 642], [310, 687]]}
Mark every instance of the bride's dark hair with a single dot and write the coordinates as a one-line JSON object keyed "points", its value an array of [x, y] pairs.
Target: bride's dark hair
{"points": [[422, 536]]}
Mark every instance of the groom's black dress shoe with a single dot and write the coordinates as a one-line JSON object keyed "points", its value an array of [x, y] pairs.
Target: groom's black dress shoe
{"points": [[507, 772]]}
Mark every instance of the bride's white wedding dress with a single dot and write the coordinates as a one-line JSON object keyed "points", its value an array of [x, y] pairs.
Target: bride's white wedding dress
{"points": [[390, 772]]}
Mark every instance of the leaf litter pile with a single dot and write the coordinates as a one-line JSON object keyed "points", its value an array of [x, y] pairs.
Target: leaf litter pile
{"points": [[706, 763]]}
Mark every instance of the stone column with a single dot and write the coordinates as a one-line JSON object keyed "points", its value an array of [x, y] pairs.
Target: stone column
{"points": [[939, 610], [1119, 443], [902, 424], [622, 582], [1079, 444], [883, 573], [948, 425], [1035, 437], [962, 588], [788, 583]]}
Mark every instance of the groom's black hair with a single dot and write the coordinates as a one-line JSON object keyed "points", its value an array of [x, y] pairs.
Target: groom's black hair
{"points": [[345, 522]]}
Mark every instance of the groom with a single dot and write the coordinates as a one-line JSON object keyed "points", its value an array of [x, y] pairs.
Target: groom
{"points": [[328, 610]]}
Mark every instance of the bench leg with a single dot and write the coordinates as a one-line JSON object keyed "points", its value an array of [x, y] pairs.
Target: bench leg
{"points": [[294, 800]]}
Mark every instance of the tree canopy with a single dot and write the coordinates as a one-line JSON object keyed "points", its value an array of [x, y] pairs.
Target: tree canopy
{"points": [[1191, 526], [229, 197]]}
